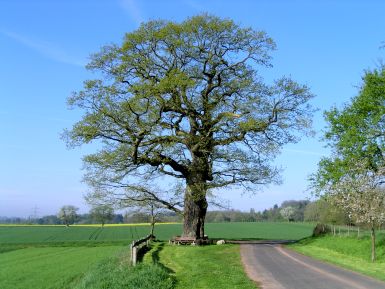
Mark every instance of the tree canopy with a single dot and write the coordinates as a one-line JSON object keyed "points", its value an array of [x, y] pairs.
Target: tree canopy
{"points": [[353, 177], [68, 214], [182, 106], [102, 213], [355, 133]]}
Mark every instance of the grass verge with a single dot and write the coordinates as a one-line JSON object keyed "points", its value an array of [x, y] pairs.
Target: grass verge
{"points": [[349, 252], [116, 273], [202, 267]]}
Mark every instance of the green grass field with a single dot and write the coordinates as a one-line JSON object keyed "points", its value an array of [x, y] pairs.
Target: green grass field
{"points": [[60, 257], [50, 267], [349, 252], [124, 234], [206, 267]]}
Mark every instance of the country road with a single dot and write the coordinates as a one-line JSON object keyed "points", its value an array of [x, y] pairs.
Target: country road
{"points": [[274, 267]]}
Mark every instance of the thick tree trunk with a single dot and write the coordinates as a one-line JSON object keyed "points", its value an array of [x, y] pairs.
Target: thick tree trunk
{"points": [[195, 208]]}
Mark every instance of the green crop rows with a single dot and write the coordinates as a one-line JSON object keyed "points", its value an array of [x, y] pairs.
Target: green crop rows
{"points": [[49, 267], [90, 234]]}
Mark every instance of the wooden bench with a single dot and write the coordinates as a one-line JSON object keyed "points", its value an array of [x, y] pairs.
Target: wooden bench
{"points": [[183, 240], [178, 240]]}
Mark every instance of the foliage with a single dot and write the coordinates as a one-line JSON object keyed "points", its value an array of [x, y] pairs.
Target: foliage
{"points": [[287, 213], [214, 267], [353, 176], [102, 213], [183, 102], [360, 194], [68, 214], [298, 206], [324, 212], [348, 252], [355, 133]]}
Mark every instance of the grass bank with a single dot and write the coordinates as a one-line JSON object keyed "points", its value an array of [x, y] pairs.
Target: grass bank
{"points": [[202, 267], [116, 273], [350, 252]]}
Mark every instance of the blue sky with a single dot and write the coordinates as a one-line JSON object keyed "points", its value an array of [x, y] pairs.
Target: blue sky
{"points": [[45, 45]]}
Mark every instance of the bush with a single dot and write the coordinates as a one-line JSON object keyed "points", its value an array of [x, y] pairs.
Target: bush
{"points": [[321, 229]]}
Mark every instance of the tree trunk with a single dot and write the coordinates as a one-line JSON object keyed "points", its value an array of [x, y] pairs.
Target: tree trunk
{"points": [[195, 208], [152, 226], [373, 235]]}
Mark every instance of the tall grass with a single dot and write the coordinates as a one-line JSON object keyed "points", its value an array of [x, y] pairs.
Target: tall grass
{"points": [[114, 273]]}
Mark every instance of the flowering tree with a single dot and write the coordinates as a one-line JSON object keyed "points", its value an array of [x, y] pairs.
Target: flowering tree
{"points": [[353, 175], [68, 214], [360, 193], [287, 213]]}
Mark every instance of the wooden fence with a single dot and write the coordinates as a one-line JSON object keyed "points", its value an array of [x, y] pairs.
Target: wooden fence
{"points": [[137, 245]]}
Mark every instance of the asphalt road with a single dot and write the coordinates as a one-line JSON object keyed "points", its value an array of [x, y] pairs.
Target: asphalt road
{"points": [[274, 267]]}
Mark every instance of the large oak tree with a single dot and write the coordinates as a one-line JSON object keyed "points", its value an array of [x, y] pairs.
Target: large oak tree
{"points": [[179, 110]]}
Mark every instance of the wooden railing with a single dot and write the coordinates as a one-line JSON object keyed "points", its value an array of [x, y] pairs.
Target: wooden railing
{"points": [[137, 245]]}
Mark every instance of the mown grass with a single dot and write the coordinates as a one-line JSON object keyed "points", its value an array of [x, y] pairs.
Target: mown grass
{"points": [[349, 252], [206, 267], [50, 267]]}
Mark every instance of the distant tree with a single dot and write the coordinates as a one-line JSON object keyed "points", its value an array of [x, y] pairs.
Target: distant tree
{"points": [[102, 213], [49, 220], [117, 219], [325, 212], [287, 213], [68, 214], [133, 216], [299, 208], [184, 102]]}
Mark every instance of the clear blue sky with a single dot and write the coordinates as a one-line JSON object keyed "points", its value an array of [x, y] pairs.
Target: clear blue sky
{"points": [[45, 44]]}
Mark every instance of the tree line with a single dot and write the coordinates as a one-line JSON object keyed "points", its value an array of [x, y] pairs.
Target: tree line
{"points": [[290, 210]]}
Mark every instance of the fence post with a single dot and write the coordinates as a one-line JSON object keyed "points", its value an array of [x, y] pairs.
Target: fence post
{"points": [[134, 255], [132, 246], [136, 246]]}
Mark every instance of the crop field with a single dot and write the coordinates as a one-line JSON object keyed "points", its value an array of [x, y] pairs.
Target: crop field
{"points": [[49, 267], [125, 234], [260, 230]]}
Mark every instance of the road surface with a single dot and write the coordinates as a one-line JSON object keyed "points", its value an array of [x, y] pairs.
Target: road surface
{"points": [[274, 267]]}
